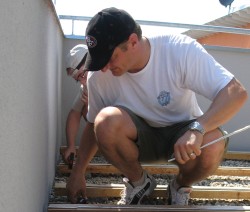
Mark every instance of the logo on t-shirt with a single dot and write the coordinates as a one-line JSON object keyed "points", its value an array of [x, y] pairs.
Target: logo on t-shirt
{"points": [[164, 98]]}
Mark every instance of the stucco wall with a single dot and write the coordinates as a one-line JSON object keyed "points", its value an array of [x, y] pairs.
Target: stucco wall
{"points": [[235, 60], [30, 103]]}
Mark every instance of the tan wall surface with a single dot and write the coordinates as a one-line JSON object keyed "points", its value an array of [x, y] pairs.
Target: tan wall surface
{"points": [[30, 103], [227, 39]]}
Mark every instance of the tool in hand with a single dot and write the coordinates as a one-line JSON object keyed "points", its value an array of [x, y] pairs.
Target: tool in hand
{"points": [[219, 139], [71, 160]]}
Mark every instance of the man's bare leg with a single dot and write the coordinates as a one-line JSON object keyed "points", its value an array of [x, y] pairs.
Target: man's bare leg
{"points": [[204, 165], [116, 135]]}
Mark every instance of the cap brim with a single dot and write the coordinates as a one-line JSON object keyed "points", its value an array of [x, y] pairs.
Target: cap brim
{"points": [[96, 64]]}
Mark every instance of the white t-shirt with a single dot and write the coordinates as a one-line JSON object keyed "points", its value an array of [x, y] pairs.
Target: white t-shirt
{"points": [[163, 93]]}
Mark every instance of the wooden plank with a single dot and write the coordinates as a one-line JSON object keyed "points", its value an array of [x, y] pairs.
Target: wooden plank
{"points": [[232, 171], [232, 155], [155, 169], [110, 169], [62, 149], [142, 208], [206, 192], [237, 155]]}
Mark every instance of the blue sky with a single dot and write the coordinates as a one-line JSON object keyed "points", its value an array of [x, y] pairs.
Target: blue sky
{"points": [[176, 11]]}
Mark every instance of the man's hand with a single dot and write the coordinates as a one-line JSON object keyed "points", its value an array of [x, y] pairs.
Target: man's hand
{"points": [[67, 153], [188, 146], [76, 186]]}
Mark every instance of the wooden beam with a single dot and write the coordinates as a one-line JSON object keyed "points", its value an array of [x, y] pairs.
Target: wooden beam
{"points": [[113, 190], [206, 192], [232, 155], [142, 208], [155, 169], [237, 155]]}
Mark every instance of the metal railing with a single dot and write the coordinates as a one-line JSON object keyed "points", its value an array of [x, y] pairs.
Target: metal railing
{"points": [[210, 28]]}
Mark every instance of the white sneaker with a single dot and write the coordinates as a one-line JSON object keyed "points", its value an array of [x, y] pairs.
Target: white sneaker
{"points": [[178, 196], [133, 195]]}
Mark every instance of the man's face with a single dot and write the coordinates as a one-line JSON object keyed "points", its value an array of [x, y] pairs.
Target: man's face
{"points": [[126, 57], [119, 62], [78, 75]]}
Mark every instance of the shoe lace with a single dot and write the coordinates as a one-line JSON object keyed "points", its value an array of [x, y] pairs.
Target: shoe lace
{"points": [[125, 193], [183, 197]]}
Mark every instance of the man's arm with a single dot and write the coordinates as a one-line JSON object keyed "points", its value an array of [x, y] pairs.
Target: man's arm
{"points": [[72, 126], [84, 112], [76, 185], [225, 105], [84, 99]]}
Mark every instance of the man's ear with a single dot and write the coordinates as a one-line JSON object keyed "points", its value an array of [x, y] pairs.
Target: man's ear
{"points": [[133, 39]]}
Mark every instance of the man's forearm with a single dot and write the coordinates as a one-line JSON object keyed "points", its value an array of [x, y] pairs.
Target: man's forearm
{"points": [[72, 126], [87, 148]]}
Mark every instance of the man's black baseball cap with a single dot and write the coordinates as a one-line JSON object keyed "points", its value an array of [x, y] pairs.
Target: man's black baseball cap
{"points": [[105, 31]]}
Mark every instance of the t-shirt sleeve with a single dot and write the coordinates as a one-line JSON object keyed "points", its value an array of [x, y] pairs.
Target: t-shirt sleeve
{"points": [[202, 73]]}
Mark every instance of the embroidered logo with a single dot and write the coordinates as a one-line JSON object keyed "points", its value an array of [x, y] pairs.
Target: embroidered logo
{"points": [[164, 98], [91, 41]]}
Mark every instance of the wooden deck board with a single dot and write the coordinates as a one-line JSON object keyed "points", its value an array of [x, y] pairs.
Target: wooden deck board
{"points": [[206, 192], [156, 169], [231, 155], [113, 190], [142, 208]]}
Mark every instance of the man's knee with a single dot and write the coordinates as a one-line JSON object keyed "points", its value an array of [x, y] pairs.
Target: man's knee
{"points": [[214, 152], [108, 124], [221, 145], [106, 119], [104, 114]]}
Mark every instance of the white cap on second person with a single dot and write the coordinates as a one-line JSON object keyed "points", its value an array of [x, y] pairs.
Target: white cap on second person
{"points": [[75, 56]]}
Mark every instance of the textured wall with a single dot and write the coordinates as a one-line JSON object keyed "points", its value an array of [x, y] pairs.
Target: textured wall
{"points": [[30, 103], [227, 39]]}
